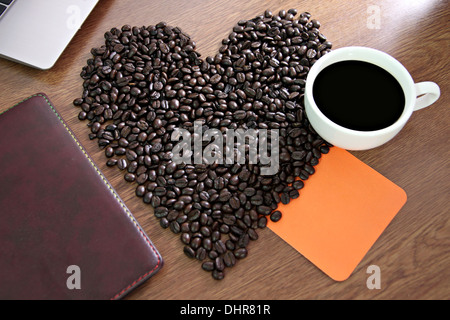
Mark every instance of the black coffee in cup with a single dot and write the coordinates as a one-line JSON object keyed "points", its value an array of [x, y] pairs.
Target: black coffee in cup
{"points": [[359, 95]]}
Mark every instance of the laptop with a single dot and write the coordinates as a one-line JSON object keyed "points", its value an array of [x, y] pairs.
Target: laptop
{"points": [[36, 32]]}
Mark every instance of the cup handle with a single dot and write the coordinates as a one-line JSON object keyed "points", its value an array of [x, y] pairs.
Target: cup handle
{"points": [[429, 92]]}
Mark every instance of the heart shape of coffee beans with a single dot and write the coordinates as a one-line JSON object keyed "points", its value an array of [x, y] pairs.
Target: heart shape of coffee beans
{"points": [[145, 82]]}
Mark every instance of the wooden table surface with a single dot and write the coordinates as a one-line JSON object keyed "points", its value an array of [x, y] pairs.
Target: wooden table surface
{"points": [[412, 253]]}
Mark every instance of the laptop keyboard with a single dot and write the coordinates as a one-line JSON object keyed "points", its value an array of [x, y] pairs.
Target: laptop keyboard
{"points": [[4, 5]]}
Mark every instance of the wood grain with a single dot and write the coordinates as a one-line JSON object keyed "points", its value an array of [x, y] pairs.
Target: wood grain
{"points": [[412, 253]]}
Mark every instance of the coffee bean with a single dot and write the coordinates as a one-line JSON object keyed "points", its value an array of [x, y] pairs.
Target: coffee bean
{"points": [[229, 259], [298, 155], [229, 219], [264, 210], [109, 152], [285, 199], [207, 244], [262, 221], [140, 191], [218, 275], [298, 184], [189, 251], [249, 192], [324, 149], [243, 241], [275, 216], [215, 79], [208, 266], [240, 253], [294, 194], [161, 212], [256, 200], [225, 195], [234, 203], [122, 164], [311, 53], [252, 234], [220, 246], [164, 223], [174, 227], [219, 264], [200, 254]]}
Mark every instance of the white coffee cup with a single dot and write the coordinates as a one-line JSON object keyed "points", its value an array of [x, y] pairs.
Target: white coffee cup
{"points": [[361, 140]]}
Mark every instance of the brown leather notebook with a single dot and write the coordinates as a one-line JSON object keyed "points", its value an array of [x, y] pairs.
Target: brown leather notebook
{"points": [[64, 231]]}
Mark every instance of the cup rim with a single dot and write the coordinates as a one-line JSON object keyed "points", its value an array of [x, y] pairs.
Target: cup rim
{"points": [[318, 65]]}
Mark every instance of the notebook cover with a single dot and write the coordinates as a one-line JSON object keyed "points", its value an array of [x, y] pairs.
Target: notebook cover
{"points": [[343, 209], [57, 210]]}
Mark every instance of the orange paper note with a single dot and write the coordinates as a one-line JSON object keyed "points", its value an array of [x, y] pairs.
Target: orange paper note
{"points": [[341, 212]]}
